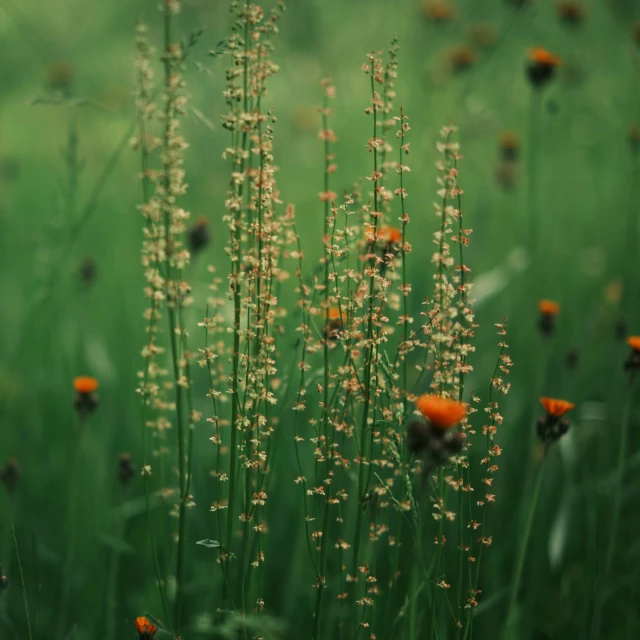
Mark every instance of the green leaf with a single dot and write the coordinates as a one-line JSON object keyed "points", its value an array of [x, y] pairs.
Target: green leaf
{"points": [[210, 544]]}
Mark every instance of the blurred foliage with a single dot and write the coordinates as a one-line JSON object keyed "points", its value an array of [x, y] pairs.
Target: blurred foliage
{"points": [[68, 197]]}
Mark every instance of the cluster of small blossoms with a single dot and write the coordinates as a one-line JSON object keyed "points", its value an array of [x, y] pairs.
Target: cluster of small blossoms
{"points": [[475, 525], [410, 339], [388, 121], [257, 236], [452, 325], [153, 379]]}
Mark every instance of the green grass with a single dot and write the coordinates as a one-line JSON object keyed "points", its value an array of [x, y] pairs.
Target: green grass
{"points": [[54, 328]]}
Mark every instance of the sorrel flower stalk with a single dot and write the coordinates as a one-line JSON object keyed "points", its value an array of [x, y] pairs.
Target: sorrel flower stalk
{"points": [[450, 345], [497, 387], [332, 315], [374, 68], [169, 188], [151, 389], [256, 235], [165, 257]]}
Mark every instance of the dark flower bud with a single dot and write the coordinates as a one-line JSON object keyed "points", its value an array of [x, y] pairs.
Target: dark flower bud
{"points": [[4, 581], [10, 474], [126, 469], [199, 235], [87, 271], [573, 357], [418, 436]]}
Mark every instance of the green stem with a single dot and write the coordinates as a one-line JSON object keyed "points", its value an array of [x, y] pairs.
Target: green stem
{"points": [[534, 211], [25, 601], [522, 552], [615, 517]]}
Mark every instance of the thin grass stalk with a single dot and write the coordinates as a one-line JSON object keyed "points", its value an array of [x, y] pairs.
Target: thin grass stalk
{"points": [[510, 624], [112, 578], [533, 210], [615, 514], [25, 600], [209, 357], [71, 531]]}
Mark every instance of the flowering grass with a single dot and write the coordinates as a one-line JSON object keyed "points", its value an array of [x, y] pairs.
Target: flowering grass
{"points": [[287, 352]]}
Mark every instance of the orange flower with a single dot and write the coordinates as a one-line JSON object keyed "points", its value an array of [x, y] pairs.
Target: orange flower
{"points": [[85, 384], [634, 342], [549, 307], [438, 11], [442, 413], [555, 407], [541, 56], [385, 233], [571, 11], [333, 313], [509, 141], [461, 57], [145, 628]]}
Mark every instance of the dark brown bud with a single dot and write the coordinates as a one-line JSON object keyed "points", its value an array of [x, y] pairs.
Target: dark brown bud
{"points": [[87, 271], [573, 357], [418, 434], [551, 428], [199, 235], [4, 581], [86, 403], [126, 469], [10, 474]]}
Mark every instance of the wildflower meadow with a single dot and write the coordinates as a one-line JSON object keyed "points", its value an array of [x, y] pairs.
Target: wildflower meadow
{"points": [[320, 320]]}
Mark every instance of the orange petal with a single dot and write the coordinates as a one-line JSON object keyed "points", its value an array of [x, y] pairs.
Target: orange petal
{"points": [[556, 407], [85, 384], [549, 307], [144, 626], [542, 56], [634, 342], [441, 412]]}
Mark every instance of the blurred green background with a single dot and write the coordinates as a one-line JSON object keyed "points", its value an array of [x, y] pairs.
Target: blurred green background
{"points": [[69, 189]]}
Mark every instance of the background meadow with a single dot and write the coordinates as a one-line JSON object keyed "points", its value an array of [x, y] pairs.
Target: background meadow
{"points": [[69, 192]]}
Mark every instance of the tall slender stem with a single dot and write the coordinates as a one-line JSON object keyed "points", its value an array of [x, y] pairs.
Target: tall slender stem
{"points": [[615, 514], [520, 558]]}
